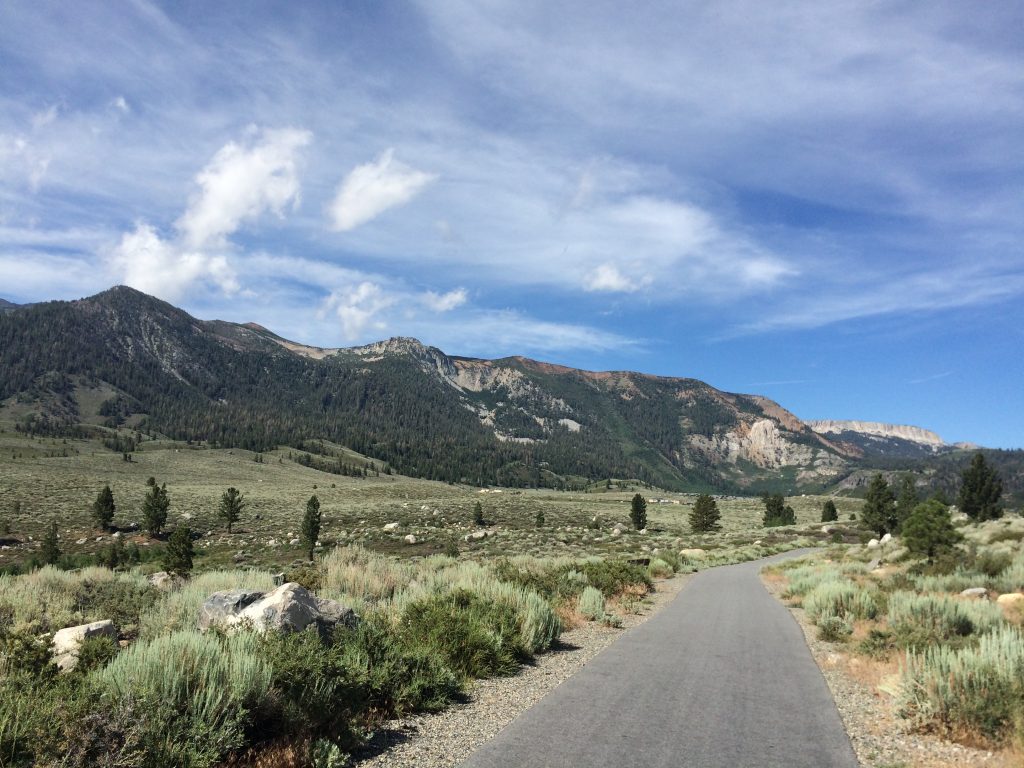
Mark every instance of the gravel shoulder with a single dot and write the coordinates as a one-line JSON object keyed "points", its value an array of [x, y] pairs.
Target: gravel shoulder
{"points": [[447, 738], [879, 736]]}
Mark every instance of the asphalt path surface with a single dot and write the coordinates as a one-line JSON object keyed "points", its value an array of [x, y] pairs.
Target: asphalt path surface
{"points": [[719, 678]]}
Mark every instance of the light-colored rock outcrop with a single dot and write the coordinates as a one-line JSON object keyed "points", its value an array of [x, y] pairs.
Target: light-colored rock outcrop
{"points": [[878, 429]]}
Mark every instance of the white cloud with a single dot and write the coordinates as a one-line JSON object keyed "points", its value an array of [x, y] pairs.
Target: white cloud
{"points": [[607, 277], [445, 302], [156, 266], [242, 182], [359, 307], [121, 105], [373, 188]]}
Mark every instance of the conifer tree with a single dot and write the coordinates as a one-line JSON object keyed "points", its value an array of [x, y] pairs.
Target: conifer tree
{"points": [[704, 517], [879, 511], [51, 549], [103, 508], [829, 513], [311, 525], [906, 500], [179, 553], [231, 506], [155, 506], [928, 530], [478, 513], [980, 491], [540, 518], [638, 512], [776, 511]]}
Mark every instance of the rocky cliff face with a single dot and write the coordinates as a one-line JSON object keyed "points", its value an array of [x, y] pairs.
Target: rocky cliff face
{"points": [[877, 429]]}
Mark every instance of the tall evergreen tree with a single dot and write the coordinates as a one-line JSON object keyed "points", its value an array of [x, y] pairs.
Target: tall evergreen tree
{"points": [[155, 506], [879, 511], [638, 512], [51, 549], [829, 513], [311, 525], [231, 506], [776, 511], [704, 517], [980, 491], [906, 500], [478, 513], [179, 553], [103, 508], [928, 530]]}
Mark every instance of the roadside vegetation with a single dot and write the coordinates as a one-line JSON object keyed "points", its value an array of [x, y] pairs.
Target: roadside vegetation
{"points": [[940, 623]]}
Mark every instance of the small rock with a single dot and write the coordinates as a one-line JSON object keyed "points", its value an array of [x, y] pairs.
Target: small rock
{"points": [[827, 529], [115, 535], [693, 552], [885, 539], [294, 542], [81, 541], [391, 527], [1011, 598], [288, 608], [410, 539], [66, 642], [873, 544], [979, 592], [165, 581], [475, 536], [616, 531]]}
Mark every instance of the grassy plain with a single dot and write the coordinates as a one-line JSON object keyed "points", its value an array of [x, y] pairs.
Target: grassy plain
{"points": [[45, 479]]}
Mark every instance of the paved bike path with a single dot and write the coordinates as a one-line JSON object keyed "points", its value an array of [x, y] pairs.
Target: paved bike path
{"points": [[719, 678]]}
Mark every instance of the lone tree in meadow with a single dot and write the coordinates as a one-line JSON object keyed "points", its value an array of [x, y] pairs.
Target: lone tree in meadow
{"points": [[103, 508], [51, 549], [231, 506], [638, 512], [179, 553], [929, 531], [478, 513], [705, 517], [906, 500], [155, 506], [776, 511], [539, 520], [829, 513], [981, 491], [879, 511], [311, 525]]}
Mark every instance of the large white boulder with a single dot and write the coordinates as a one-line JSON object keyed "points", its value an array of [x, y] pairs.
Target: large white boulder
{"points": [[67, 642], [289, 608]]}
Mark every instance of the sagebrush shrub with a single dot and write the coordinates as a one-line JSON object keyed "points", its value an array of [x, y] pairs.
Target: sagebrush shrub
{"points": [[591, 604], [840, 598]]}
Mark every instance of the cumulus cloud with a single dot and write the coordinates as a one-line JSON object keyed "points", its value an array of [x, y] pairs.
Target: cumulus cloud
{"points": [[445, 302], [242, 182], [359, 308], [373, 188], [607, 277], [156, 266]]}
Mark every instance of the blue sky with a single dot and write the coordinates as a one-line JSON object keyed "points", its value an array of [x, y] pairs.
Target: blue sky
{"points": [[822, 203]]}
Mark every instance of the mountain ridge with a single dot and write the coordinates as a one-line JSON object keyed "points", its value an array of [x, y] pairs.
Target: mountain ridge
{"points": [[507, 421]]}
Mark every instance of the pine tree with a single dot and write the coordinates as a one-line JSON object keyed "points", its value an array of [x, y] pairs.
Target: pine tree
{"points": [[231, 506], [829, 513], [980, 491], [906, 501], [879, 511], [776, 511], [704, 517], [478, 513], [638, 512], [311, 525], [51, 549], [103, 508], [155, 506], [540, 518], [928, 530], [179, 552]]}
